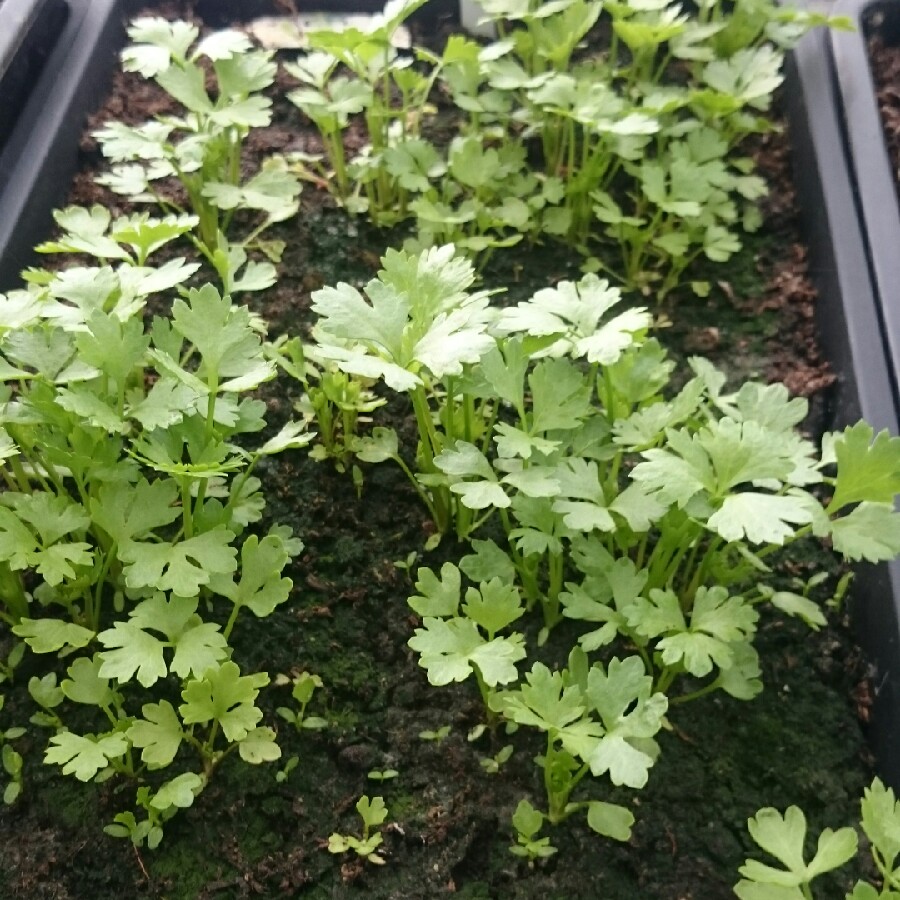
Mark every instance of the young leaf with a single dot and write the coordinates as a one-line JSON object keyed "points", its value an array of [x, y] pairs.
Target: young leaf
{"points": [[630, 715], [610, 820], [373, 812], [197, 645], [450, 649], [129, 512], [488, 561], [259, 746], [50, 635], [180, 792], [881, 822], [84, 755], [437, 597], [783, 837], [85, 684], [158, 734], [260, 588], [870, 531], [761, 518], [546, 703], [494, 606], [867, 470], [225, 696], [181, 568]]}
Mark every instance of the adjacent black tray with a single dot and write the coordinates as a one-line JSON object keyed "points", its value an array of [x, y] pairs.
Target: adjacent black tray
{"points": [[852, 223], [28, 32], [40, 153]]}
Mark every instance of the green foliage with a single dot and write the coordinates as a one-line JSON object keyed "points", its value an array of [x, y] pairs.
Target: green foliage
{"points": [[784, 837], [130, 490], [373, 813], [11, 760], [129, 542], [455, 642], [597, 721], [651, 163], [202, 148], [527, 822], [304, 686], [329, 98], [338, 402]]}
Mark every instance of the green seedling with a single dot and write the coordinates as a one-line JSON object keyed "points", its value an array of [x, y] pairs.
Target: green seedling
{"points": [[304, 686], [284, 772], [437, 736], [202, 148], [12, 761], [159, 806], [528, 822], [127, 508], [455, 642], [373, 814], [597, 721], [784, 837], [493, 764]]}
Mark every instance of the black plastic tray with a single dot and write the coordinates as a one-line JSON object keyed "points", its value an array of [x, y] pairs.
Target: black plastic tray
{"points": [[41, 154], [853, 234], [28, 32]]}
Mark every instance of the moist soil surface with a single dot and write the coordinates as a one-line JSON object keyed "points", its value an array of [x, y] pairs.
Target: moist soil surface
{"points": [[884, 57], [249, 835]]}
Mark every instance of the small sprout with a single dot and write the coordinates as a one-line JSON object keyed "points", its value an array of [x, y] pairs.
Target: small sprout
{"points": [[373, 813], [493, 764], [305, 685], [282, 774], [408, 563], [837, 601], [528, 821], [436, 736], [382, 774], [12, 765]]}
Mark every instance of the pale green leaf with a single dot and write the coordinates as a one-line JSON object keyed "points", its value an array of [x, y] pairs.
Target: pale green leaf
{"points": [[259, 746], [50, 635], [158, 734], [84, 755], [870, 531]]}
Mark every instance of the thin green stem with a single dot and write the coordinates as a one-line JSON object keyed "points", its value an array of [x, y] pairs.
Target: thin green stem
{"points": [[187, 516]]}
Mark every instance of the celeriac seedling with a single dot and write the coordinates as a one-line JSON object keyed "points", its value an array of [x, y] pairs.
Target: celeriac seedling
{"points": [[130, 487], [160, 806], [597, 721], [415, 327], [305, 685], [783, 836], [379, 75], [455, 643], [493, 764], [527, 822], [373, 814], [11, 760], [202, 148], [437, 735]]}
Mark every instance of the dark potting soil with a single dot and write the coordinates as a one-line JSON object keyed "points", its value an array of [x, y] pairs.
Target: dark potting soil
{"points": [[884, 57], [248, 835]]}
